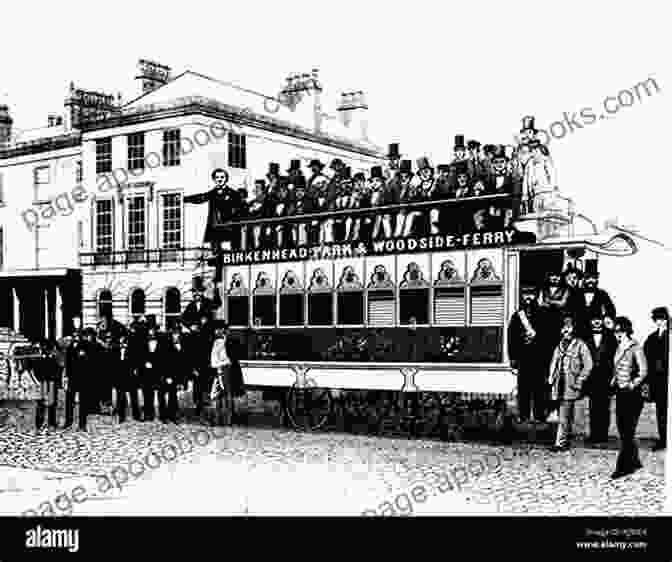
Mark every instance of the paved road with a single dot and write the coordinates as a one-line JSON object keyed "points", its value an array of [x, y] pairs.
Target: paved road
{"points": [[274, 471]]}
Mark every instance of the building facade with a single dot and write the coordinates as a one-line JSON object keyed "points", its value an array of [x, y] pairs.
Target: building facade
{"points": [[94, 204]]}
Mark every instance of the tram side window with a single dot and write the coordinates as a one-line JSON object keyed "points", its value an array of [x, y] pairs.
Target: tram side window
{"points": [[291, 309], [264, 309], [351, 308], [238, 309], [320, 309], [487, 305], [414, 303]]}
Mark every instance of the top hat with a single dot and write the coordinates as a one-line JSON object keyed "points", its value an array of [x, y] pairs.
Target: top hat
{"points": [[406, 166], [591, 269], [197, 284], [660, 313], [499, 152], [393, 151], [422, 163], [528, 124], [336, 163], [489, 148], [316, 163], [377, 172], [347, 174], [273, 169], [459, 142], [294, 166], [473, 144], [443, 167]]}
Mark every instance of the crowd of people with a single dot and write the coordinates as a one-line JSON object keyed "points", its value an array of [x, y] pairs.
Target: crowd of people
{"points": [[475, 170], [140, 360], [566, 343]]}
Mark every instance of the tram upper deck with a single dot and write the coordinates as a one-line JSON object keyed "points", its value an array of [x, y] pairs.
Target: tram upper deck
{"points": [[434, 295]]}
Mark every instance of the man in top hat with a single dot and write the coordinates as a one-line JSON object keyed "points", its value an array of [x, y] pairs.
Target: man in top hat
{"points": [[443, 188], [200, 305], [500, 179], [224, 205], [479, 166], [656, 350], [295, 170], [595, 301], [393, 156], [528, 132], [380, 197], [460, 179], [316, 169]]}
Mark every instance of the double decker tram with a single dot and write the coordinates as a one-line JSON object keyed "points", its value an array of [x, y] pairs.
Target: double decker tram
{"points": [[393, 305]]}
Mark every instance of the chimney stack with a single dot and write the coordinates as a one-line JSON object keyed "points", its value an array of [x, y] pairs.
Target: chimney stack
{"points": [[152, 75], [6, 122], [353, 109]]}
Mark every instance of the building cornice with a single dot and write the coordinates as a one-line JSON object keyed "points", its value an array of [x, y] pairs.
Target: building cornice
{"points": [[196, 105], [37, 146]]}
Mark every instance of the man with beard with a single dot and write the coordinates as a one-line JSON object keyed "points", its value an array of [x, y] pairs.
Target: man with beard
{"points": [[596, 301], [656, 350], [394, 174], [602, 345], [478, 165], [302, 205], [224, 205], [500, 180], [200, 305], [379, 199], [525, 354]]}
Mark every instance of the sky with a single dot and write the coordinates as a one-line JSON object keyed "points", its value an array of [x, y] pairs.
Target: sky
{"points": [[430, 71]]}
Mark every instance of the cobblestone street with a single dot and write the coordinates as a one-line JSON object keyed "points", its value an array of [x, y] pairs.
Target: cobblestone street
{"points": [[262, 471]]}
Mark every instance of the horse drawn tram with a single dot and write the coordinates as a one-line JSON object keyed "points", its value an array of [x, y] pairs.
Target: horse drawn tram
{"points": [[394, 311]]}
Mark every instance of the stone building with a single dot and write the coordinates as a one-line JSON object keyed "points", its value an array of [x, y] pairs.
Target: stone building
{"points": [[93, 203]]}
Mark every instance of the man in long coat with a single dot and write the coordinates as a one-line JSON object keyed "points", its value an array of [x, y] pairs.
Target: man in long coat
{"points": [[224, 205], [656, 350]]}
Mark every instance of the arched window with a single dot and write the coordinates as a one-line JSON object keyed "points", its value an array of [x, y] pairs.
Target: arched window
{"points": [[137, 303], [105, 303], [172, 307]]}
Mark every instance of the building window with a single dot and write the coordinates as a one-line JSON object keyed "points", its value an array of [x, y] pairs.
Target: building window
{"points": [[103, 155], [79, 174], [237, 151], [105, 303], [136, 228], [171, 147], [171, 225], [41, 178], [172, 307], [136, 151], [137, 303], [104, 226]]}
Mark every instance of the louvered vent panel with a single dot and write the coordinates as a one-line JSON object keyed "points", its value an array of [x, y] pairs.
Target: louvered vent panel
{"points": [[381, 309], [449, 307], [487, 306]]}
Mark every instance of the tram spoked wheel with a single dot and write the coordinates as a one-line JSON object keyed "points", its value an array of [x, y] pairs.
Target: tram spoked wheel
{"points": [[308, 406]]}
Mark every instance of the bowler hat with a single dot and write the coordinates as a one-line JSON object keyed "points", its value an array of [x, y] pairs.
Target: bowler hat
{"points": [[459, 142], [406, 166], [273, 169], [377, 172], [393, 151], [472, 144], [336, 163], [660, 313], [315, 163], [489, 148]]}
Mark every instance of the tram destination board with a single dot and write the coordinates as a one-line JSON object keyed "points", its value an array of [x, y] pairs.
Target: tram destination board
{"points": [[485, 222]]}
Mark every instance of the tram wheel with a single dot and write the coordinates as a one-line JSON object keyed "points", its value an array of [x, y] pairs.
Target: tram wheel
{"points": [[308, 406]]}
